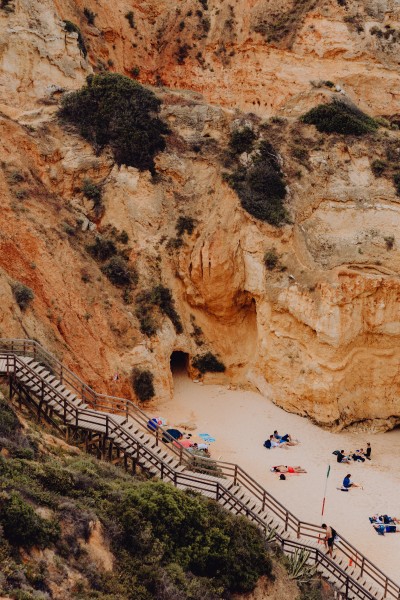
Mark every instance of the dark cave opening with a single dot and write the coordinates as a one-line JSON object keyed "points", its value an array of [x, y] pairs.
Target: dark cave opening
{"points": [[179, 363]]}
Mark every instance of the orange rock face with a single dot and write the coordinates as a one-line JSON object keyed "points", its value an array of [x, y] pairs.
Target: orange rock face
{"points": [[318, 334]]}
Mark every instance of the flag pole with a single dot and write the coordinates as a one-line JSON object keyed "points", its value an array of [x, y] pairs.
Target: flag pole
{"points": [[324, 498], [326, 487]]}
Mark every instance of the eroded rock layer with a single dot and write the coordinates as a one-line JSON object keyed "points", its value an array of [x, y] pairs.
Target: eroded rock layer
{"points": [[319, 332]]}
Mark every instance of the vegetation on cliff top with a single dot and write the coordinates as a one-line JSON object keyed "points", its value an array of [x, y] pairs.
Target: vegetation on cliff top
{"points": [[112, 110], [340, 117], [167, 544]]}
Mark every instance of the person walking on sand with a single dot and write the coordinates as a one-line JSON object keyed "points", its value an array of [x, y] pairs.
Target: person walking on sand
{"points": [[330, 535]]}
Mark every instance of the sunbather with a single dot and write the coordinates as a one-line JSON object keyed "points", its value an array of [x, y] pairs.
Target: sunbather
{"points": [[285, 438], [286, 469], [173, 433]]}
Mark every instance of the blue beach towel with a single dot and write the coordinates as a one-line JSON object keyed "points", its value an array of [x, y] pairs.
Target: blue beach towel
{"points": [[207, 437]]}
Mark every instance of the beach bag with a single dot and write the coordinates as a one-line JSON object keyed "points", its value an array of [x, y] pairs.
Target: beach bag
{"points": [[267, 444], [390, 528], [282, 476]]}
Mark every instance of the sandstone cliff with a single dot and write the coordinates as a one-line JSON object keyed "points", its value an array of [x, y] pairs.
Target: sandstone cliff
{"points": [[318, 335]]}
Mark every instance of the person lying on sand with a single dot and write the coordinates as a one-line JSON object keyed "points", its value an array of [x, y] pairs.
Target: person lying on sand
{"points": [[272, 443], [285, 438], [358, 455], [286, 469]]}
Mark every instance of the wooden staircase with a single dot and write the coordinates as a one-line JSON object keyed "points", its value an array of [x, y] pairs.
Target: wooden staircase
{"points": [[116, 429]]}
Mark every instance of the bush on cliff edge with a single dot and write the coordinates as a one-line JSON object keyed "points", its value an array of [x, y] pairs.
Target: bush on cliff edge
{"points": [[112, 110]]}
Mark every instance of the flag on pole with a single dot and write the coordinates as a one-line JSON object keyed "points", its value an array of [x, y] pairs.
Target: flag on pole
{"points": [[326, 486]]}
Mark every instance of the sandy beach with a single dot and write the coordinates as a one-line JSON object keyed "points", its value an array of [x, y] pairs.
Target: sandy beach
{"points": [[240, 421]]}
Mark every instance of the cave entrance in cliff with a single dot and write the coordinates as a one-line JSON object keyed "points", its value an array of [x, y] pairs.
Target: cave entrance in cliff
{"points": [[179, 363]]}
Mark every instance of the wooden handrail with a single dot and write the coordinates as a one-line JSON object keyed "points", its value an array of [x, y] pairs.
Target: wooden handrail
{"points": [[17, 347]]}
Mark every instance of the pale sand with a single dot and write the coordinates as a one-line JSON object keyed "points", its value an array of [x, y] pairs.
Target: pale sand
{"points": [[241, 421]]}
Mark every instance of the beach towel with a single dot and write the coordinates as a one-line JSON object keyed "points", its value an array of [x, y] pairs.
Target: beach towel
{"points": [[207, 437]]}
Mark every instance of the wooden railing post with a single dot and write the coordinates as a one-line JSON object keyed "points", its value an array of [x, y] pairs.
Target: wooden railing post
{"points": [[61, 374], [263, 500], [107, 425], [217, 492], [347, 588], [235, 475], [362, 565], [157, 436], [286, 521], [298, 529]]}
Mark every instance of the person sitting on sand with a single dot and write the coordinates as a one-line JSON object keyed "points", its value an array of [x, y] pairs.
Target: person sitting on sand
{"points": [[347, 483], [286, 469], [358, 455], [341, 457]]}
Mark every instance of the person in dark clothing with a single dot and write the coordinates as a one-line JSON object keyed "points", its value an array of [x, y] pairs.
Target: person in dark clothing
{"points": [[329, 537], [174, 433], [341, 458], [368, 451], [358, 455]]}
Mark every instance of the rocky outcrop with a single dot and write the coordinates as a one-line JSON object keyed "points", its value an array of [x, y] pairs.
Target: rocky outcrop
{"points": [[319, 333]]}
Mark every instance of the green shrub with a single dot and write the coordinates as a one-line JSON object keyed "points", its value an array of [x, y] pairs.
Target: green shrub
{"points": [[185, 225], [208, 363], [22, 294], [340, 117], [9, 423], [90, 15], [102, 249], [261, 187], [123, 237], [72, 28], [389, 241], [92, 191], [197, 535], [378, 167], [112, 110], [135, 72], [161, 297], [242, 140], [130, 17], [120, 273], [396, 181], [271, 259], [142, 383], [22, 526]]}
